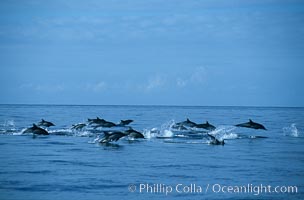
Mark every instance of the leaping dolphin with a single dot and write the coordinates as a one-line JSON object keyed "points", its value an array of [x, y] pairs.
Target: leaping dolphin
{"points": [[251, 124], [95, 121], [179, 127], [134, 134], [105, 124], [215, 141], [125, 122], [207, 126], [78, 126], [110, 137], [187, 123], [45, 123], [101, 123], [36, 130]]}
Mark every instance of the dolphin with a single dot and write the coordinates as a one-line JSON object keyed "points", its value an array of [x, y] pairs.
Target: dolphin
{"points": [[251, 124], [207, 126], [179, 127], [78, 126], [187, 123], [134, 134], [125, 122], [110, 137], [95, 121], [29, 130], [36, 130], [215, 141], [105, 124], [45, 123], [101, 123]]}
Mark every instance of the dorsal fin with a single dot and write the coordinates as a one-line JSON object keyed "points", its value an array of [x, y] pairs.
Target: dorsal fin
{"points": [[250, 121], [207, 122], [34, 125], [97, 117], [188, 120], [42, 120]]}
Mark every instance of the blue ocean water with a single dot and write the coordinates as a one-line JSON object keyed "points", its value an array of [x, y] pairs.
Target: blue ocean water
{"points": [[71, 164]]}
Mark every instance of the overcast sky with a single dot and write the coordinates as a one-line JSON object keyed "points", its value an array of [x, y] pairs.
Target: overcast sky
{"points": [[152, 52]]}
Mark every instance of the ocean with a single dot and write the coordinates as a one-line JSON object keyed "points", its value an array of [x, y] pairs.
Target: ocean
{"points": [[167, 164]]}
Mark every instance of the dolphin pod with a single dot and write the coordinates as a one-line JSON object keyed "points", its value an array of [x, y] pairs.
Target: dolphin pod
{"points": [[114, 136]]}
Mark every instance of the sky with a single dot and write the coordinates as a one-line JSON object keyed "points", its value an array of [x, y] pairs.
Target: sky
{"points": [[152, 52]]}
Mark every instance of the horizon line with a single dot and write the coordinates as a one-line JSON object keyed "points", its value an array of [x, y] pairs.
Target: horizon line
{"points": [[160, 105]]}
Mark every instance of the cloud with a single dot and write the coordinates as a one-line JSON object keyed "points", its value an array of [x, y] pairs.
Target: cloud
{"points": [[155, 82], [181, 82], [198, 76], [112, 21], [132, 26], [42, 87], [96, 87]]}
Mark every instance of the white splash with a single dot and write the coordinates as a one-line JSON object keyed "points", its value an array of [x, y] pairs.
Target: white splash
{"points": [[84, 134], [96, 140], [19, 132], [224, 132], [164, 131], [167, 133], [291, 131], [9, 123], [63, 131], [154, 132]]}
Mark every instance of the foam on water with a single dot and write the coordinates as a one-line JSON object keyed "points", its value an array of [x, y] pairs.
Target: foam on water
{"points": [[152, 133], [19, 132], [64, 131], [291, 131], [164, 131], [9, 123], [96, 140], [224, 132], [84, 134]]}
